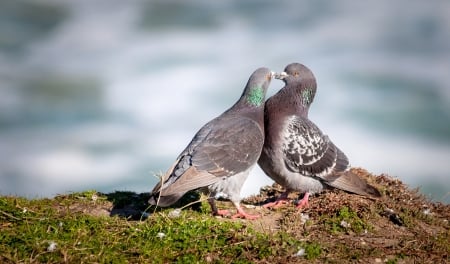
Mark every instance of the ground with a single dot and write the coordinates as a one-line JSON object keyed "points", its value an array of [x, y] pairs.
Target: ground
{"points": [[337, 227]]}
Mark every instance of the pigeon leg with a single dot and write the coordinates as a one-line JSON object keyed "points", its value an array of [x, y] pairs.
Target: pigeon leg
{"points": [[282, 200], [214, 209], [242, 214], [304, 201]]}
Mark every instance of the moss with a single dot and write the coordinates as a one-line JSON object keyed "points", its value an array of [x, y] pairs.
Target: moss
{"points": [[346, 220], [92, 227], [34, 230], [312, 250]]}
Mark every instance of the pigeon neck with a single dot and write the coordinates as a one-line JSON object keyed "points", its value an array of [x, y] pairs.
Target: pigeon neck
{"points": [[252, 99], [244, 105], [254, 96], [251, 104], [296, 98]]}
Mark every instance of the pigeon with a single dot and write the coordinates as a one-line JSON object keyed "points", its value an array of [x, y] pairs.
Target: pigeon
{"points": [[296, 154], [222, 153]]}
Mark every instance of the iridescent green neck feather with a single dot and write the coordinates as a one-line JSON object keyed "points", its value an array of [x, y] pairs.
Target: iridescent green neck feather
{"points": [[255, 96], [307, 96]]}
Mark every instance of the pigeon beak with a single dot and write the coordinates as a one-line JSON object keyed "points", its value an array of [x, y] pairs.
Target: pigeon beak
{"points": [[273, 74], [280, 75]]}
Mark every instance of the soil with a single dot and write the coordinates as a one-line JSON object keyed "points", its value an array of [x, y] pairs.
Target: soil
{"points": [[402, 225]]}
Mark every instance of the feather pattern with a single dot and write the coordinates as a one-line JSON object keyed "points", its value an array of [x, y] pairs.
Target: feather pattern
{"points": [[308, 152], [296, 154]]}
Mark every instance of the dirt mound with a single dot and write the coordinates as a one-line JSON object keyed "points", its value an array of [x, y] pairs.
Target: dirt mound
{"points": [[403, 225]]}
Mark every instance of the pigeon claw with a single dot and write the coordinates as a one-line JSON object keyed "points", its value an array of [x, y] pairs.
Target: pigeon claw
{"points": [[222, 212], [281, 201], [277, 204], [242, 214], [303, 202]]}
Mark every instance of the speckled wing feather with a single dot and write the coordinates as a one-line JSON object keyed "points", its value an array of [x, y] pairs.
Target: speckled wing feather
{"points": [[222, 148], [308, 152]]}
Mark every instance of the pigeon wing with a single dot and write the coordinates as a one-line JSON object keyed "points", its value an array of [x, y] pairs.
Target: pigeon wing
{"points": [[309, 152], [222, 148], [231, 148]]}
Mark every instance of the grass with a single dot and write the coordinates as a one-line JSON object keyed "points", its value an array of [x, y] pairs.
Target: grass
{"points": [[118, 227], [346, 220], [52, 231]]}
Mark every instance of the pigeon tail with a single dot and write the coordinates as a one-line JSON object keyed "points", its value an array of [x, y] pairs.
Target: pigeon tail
{"points": [[351, 182], [192, 179], [164, 201]]}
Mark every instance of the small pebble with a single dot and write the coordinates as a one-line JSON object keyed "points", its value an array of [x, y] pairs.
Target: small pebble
{"points": [[174, 213], [145, 215], [51, 247], [304, 218], [345, 224], [160, 235], [389, 210], [300, 253]]}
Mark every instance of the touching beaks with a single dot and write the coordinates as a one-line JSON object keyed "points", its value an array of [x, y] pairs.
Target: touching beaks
{"points": [[280, 75], [273, 74]]}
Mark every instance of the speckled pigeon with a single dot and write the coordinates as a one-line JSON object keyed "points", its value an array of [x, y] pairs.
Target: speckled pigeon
{"points": [[222, 153], [296, 154]]}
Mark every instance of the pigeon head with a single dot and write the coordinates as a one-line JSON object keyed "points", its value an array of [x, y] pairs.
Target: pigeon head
{"points": [[300, 81], [255, 91]]}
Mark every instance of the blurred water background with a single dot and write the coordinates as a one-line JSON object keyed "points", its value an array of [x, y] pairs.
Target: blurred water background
{"points": [[104, 94]]}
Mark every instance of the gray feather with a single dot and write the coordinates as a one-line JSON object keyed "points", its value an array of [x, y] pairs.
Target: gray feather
{"points": [[227, 146], [296, 153]]}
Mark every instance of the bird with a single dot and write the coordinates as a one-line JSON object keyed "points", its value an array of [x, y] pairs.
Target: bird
{"points": [[222, 153], [296, 153]]}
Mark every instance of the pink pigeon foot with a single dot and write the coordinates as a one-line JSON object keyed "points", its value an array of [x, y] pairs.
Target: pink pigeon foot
{"points": [[277, 204], [214, 209], [242, 214], [281, 201], [303, 202], [222, 212]]}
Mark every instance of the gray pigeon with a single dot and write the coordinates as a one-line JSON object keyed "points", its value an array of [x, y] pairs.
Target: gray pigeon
{"points": [[222, 153], [296, 154]]}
